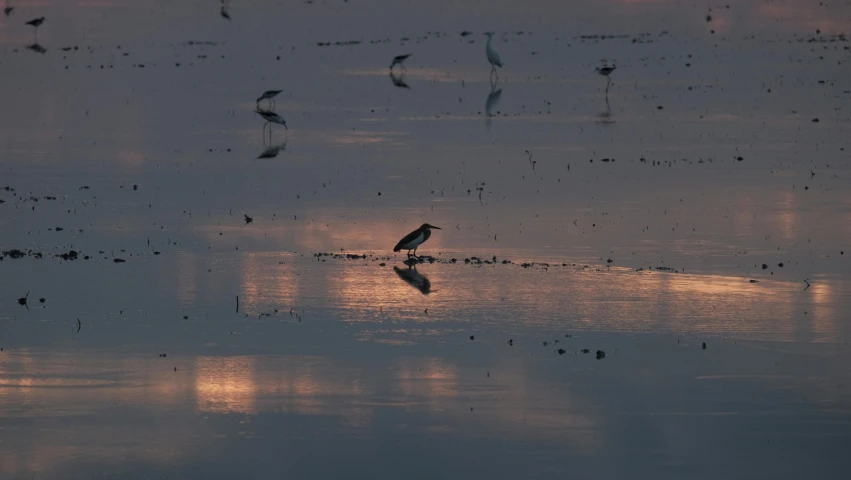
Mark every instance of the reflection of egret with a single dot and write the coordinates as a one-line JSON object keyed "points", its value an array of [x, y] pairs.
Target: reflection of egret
{"points": [[36, 22], [606, 71], [414, 239], [492, 101], [273, 150], [398, 81], [400, 60], [37, 48], [493, 55], [268, 95], [414, 279]]}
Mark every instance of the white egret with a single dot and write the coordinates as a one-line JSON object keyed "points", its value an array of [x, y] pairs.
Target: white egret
{"points": [[493, 55]]}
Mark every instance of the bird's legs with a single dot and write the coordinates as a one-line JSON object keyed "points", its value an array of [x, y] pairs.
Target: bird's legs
{"points": [[608, 81]]}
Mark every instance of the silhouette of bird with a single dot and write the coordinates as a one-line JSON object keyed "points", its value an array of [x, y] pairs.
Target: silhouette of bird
{"points": [[400, 60], [493, 55], [224, 10], [414, 239], [36, 22], [605, 71], [271, 117], [8, 10], [268, 95]]}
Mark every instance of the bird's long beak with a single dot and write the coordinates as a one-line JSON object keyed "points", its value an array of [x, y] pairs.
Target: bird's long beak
{"points": [[432, 226], [285, 127]]}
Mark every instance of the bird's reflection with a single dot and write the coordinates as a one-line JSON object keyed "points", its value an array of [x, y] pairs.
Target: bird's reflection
{"points": [[273, 150], [414, 278], [606, 118], [493, 101], [398, 80], [37, 48], [224, 10]]}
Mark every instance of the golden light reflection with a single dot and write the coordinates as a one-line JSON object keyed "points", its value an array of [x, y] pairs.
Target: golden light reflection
{"points": [[225, 385]]}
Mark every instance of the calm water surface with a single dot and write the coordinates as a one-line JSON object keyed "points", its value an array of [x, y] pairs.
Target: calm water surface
{"points": [[671, 227]]}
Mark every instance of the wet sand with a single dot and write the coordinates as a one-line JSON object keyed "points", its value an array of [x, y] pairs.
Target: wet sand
{"points": [[690, 231]]}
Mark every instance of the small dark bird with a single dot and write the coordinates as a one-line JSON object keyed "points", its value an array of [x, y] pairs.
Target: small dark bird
{"points": [[561, 351], [8, 10], [605, 71], [248, 219], [414, 239], [268, 95], [400, 60], [224, 10], [36, 22], [601, 354], [703, 346], [271, 117], [511, 342], [23, 301], [472, 337]]}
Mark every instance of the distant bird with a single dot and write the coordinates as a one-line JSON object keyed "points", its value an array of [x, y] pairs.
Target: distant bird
{"points": [[271, 117], [414, 239], [248, 219], [268, 95], [8, 10], [605, 71], [36, 22], [400, 60], [224, 10], [493, 55]]}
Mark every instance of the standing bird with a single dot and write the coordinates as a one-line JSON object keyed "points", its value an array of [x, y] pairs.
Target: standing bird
{"points": [[268, 95], [36, 22], [414, 239], [493, 55], [605, 71], [271, 117], [400, 60]]}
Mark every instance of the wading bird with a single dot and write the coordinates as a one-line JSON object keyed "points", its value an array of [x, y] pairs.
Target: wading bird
{"points": [[36, 22], [271, 117], [414, 239], [400, 60], [268, 95], [605, 71], [493, 55]]}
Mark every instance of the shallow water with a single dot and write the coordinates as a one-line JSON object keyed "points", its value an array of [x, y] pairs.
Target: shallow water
{"points": [[225, 349]]}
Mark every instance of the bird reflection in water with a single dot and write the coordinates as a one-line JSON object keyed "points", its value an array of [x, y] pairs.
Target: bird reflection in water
{"points": [[414, 278], [398, 80], [272, 151], [37, 48], [491, 103]]}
